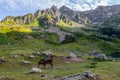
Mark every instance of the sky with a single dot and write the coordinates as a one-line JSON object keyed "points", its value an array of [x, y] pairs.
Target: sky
{"points": [[22, 7]]}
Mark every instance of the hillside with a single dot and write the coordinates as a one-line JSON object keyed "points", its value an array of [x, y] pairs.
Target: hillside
{"points": [[49, 17], [62, 31]]}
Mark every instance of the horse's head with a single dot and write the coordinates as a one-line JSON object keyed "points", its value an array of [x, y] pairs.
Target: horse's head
{"points": [[50, 56]]}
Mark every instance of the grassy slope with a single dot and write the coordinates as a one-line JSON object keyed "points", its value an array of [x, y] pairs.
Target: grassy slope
{"points": [[83, 45], [108, 70]]}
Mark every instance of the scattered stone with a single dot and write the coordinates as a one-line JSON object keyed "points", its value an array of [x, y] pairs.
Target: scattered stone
{"points": [[6, 78], [2, 61], [25, 62], [98, 55], [87, 75], [31, 56], [72, 55], [35, 70], [36, 53], [94, 53], [29, 37], [74, 58], [16, 56], [50, 77], [101, 56]]}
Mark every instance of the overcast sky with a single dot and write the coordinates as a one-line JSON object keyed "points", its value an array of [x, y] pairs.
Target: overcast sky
{"points": [[21, 7]]}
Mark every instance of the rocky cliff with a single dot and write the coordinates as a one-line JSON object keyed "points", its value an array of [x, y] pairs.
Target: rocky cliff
{"points": [[102, 13], [50, 17]]}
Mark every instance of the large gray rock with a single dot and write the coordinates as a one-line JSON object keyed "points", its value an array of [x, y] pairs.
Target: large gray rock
{"points": [[101, 56], [87, 75], [35, 70], [49, 77], [31, 56], [36, 53], [72, 55], [25, 62]]}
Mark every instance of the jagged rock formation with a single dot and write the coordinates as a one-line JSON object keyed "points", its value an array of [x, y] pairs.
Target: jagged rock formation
{"points": [[102, 13], [59, 32], [73, 15], [50, 17], [54, 16]]}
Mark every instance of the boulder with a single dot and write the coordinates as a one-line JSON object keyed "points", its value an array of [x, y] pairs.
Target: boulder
{"points": [[94, 53], [35, 70], [49, 77], [16, 56], [72, 55], [101, 56], [36, 53], [88, 74], [25, 62], [31, 56]]}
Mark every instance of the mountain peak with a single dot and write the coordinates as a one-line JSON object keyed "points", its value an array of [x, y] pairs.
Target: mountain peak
{"points": [[54, 7], [65, 8]]}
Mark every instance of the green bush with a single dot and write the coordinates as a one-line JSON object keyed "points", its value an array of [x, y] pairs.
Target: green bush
{"points": [[36, 34], [115, 54], [92, 65], [110, 31], [16, 35], [52, 38], [69, 38], [3, 38]]}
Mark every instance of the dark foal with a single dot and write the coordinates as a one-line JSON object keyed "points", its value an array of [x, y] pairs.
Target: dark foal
{"points": [[44, 62]]}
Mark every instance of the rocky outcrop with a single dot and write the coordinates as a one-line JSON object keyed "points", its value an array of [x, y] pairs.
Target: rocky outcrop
{"points": [[87, 75], [73, 15], [96, 16], [59, 32], [50, 17], [102, 13]]}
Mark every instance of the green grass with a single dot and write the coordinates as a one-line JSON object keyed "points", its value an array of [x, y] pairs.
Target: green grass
{"points": [[108, 70]]}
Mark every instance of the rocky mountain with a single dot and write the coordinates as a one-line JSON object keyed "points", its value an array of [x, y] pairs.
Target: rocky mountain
{"points": [[102, 13], [51, 17], [66, 17]]}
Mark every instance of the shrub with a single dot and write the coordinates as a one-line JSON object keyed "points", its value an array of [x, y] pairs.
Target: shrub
{"points": [[52, 38], [3, 38], [115, 54], [15, 35], [92, 65], [69, 38], [36, 34]]}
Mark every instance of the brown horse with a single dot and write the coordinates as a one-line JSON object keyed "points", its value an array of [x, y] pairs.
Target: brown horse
{"points": [[46, 61]]}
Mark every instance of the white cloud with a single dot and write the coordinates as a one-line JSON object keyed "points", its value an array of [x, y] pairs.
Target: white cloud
{"points": [[43, 4]]}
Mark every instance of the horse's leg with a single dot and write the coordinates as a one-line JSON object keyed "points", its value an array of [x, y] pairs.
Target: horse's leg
{"points": [[38, 64], [44, 65]]}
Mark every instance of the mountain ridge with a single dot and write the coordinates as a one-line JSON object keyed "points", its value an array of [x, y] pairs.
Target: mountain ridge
{"points": [[67, 16], [49, 16]]}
